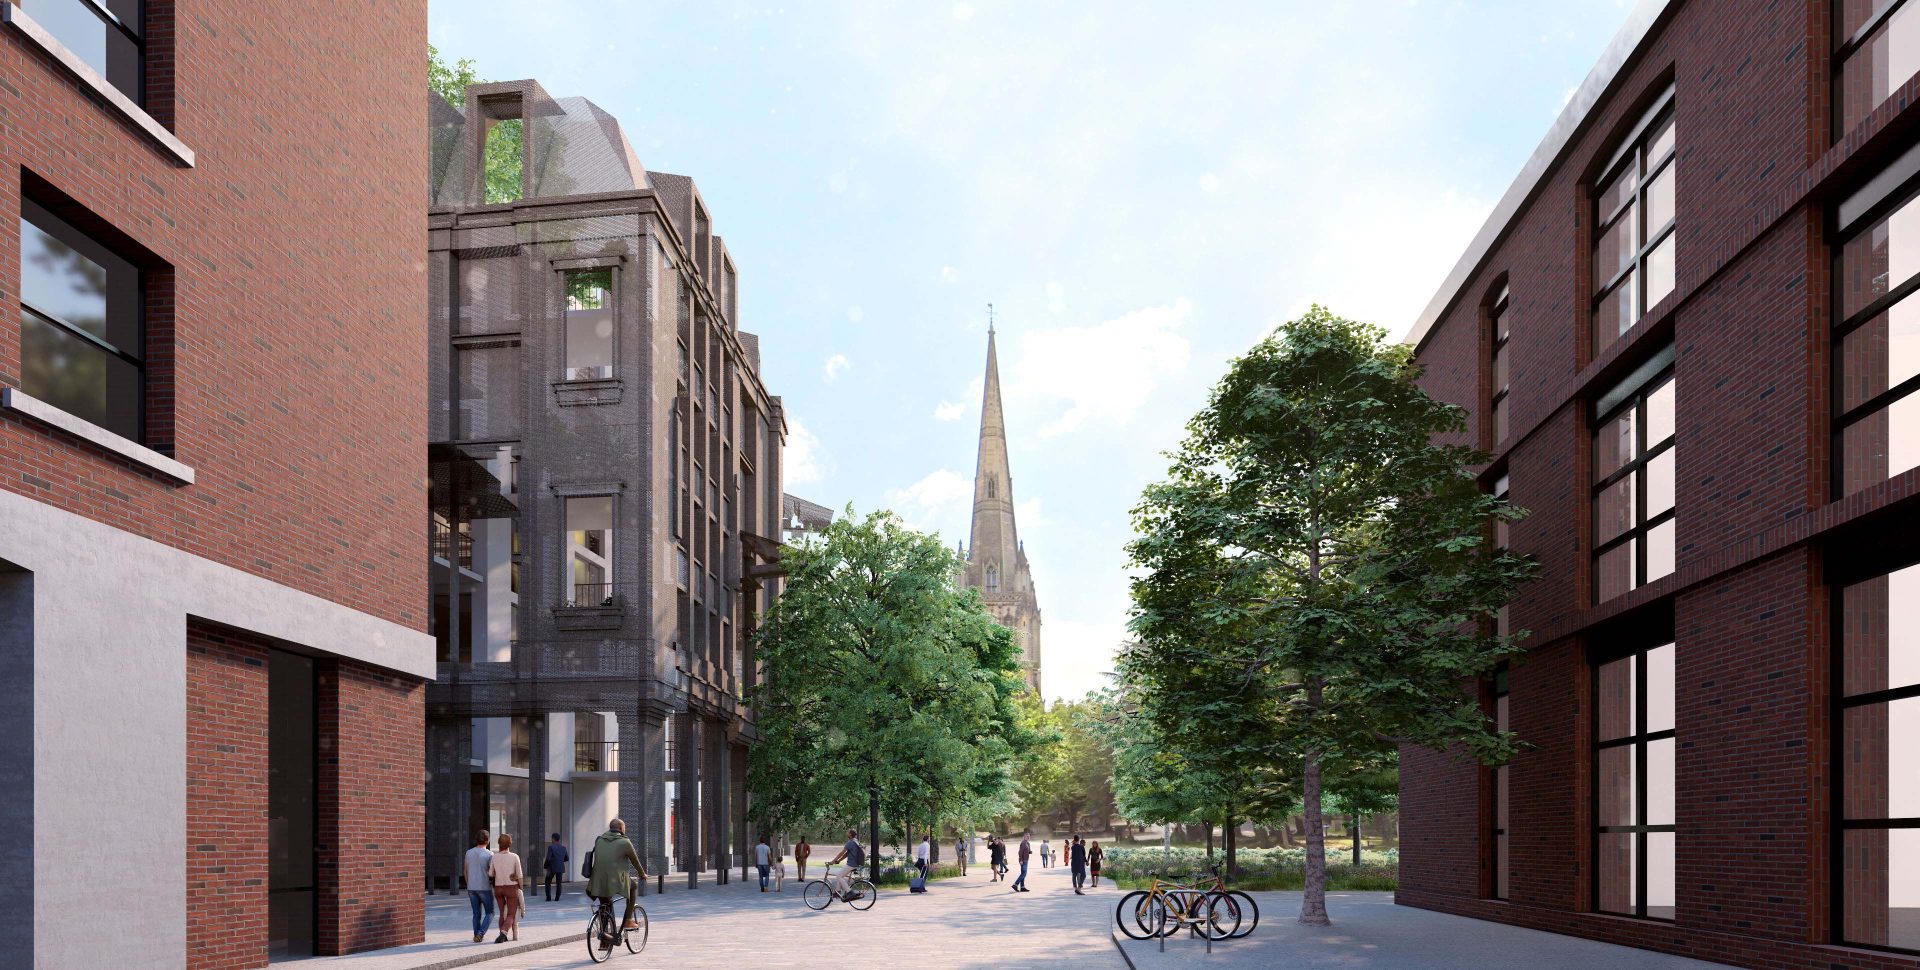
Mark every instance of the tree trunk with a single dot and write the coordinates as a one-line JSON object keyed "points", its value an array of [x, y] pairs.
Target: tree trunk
{"points": [[1356, 840], [1209, 841], [1232, 840], [1313, 901], [1286, 833]]}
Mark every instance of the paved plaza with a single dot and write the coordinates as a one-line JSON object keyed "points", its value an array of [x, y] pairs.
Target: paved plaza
{"points": [[972, 922]]}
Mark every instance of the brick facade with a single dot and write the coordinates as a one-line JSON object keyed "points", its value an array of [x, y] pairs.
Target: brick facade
{"points": [[226, 800], [371, 847], [1760, 523]]}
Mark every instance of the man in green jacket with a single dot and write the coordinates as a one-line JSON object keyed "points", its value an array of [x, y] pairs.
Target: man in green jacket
{"points": [[612, 854]]}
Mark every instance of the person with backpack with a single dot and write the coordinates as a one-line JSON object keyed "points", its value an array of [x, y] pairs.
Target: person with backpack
{"points": [[606, 869], [854, 855]]}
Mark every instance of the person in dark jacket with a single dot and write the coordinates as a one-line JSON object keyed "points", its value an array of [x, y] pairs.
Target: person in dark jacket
{"points": [[1077, 858], [613, 858], [1094, 858], [997, 857], [556, 869]]}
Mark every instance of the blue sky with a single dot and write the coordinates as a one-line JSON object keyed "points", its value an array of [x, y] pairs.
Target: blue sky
{"points": [[1141, 190]]}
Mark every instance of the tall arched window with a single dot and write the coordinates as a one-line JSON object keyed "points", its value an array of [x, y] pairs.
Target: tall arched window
{"points": [[993, 579], [990, 488]]}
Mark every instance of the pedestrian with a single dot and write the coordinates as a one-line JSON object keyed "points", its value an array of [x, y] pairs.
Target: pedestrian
{"points": [[1077, 859], [920, 855], [996, 857], [1046, 853], [960, 853], [553, 886], [800, 854], [1026, 852], [480, 885], [1094, 858], [505, 869], [763, 859]]}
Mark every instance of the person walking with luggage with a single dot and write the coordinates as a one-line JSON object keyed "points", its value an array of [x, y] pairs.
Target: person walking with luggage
{"points": [[763, 860], [1026, 853], [1094, 858], [505, 868], [480, 885], [555, 867], [800, 854], [920, 855], [1077, 858]]}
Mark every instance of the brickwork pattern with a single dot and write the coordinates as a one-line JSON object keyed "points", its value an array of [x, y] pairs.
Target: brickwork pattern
{"points": [[1749, 321], [226, 799], [289, 366], [372, 839]]}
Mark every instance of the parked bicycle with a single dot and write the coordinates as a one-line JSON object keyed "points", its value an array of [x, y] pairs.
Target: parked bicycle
{"points": [[1166, 907], [604, 932], [858, 893]]}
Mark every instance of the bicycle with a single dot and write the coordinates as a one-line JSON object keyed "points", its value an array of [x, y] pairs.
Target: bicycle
{"points": [[1167, 906], [604, 931], [859, 894], [1248, 910]]}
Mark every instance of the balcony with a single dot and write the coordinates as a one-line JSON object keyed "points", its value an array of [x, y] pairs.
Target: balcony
{"points": [[439, 540], [590, 606], [596, 760]]}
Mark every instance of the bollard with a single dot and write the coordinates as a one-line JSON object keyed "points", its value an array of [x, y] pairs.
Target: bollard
{"points": [[662, 891]]}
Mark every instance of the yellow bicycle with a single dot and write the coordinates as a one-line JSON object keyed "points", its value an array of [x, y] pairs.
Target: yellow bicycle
{"points": [[1165, 907]]}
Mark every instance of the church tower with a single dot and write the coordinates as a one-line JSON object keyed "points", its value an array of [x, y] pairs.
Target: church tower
{"points": [[996, 560]]}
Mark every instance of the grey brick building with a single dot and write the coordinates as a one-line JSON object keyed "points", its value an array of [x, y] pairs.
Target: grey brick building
{"points": [[607, 492]]}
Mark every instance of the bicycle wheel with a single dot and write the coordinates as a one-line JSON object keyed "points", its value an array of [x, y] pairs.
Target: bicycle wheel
{"points": [[1157, 921], [1131, 914], [1222, 917], [860, 894], [1249, 913], [640, 917], [600, 927], [817, 895]]}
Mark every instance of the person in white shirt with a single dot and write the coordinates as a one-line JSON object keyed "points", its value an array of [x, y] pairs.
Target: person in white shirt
{"points": [[480, 885], [920, 856], [1046, 854], [763, 857]]}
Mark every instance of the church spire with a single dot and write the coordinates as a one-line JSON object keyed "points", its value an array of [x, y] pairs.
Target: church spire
{"points": [[996, 560]]}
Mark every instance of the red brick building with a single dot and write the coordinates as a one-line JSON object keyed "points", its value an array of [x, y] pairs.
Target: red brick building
{"points": [[1687, 337], [212, 480]]}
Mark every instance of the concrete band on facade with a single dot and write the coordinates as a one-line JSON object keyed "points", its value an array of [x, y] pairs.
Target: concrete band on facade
{"points": [[95, 620]]}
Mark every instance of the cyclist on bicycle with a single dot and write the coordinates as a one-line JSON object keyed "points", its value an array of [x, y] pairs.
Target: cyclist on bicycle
{"points": [[841, 881], [612, 854]]}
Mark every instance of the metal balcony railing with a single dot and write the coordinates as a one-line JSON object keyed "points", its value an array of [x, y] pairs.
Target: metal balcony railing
{"points": [[591, 594], [439, 546], [596, 756]]}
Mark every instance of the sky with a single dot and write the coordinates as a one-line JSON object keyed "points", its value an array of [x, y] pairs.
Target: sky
{"points": [[1141, 191]]}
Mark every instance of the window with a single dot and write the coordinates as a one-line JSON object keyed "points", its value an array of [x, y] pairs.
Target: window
{"points": [[993, 579], [1633, 468], [990, 488], [106, 34], [589, 324], [589, 559], [1502, 536], [1501, 321], [1879, 740], [1633, 784], [501, 158], [1500, 786], [1633, 257], [487, 375], [81, 337], [520, 742], [1878, 352], [1875, 42]]}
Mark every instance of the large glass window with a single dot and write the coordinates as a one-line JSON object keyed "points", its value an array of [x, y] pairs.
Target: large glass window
{"points": [[1876, 50], [81, 341], [1878, 357], [1501, 783], [488, 384], [589, 324], [106, 34], [1633, 502], [1879, 743], [1501, 323], [1633, 784], [292, 805], [1633, 249], [589, 559]]}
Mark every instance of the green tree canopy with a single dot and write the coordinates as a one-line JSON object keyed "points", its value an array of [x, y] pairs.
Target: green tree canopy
{"points": [[883, 673], [1320, 555]]}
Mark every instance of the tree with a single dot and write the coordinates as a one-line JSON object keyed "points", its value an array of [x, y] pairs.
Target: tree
{"points": [[502, 152], [887, 688], [1318, 523]]}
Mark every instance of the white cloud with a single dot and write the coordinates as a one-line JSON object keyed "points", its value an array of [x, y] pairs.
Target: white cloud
{"points": [[1076, 655], [836, 365], [1106, 371], [933, 501], [949, 411], [805, 461]]}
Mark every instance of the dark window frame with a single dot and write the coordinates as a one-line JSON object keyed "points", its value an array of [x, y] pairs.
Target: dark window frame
{"points": [[134, 34], [1839, 823], [1640, 739], [1844, 47], [1633, 153], [1644, 454], [1847, 227], [612, 365], [63, 229], [1501, 857], [1499, 328]]}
